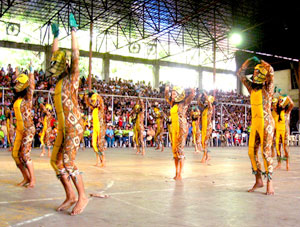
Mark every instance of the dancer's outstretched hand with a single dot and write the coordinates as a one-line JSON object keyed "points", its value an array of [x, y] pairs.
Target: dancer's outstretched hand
{"points": [[55, 30], [254, 59], [73, 23]]}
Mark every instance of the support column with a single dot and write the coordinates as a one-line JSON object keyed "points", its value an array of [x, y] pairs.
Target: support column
{"points": [[200, 76], [105, 67], [90, 57], [47, 59], [238, 86], [155, 70]]}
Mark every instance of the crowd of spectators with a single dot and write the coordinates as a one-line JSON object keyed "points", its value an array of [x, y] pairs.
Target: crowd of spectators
{"points": [[230, 121]]}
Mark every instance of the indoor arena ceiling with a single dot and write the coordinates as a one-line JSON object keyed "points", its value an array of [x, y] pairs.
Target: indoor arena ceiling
{"points": [[268, 27]]}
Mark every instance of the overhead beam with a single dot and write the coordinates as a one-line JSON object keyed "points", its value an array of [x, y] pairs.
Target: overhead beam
{"points": [[114, 57]]}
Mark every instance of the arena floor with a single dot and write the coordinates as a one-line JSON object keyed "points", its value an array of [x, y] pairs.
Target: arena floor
{"points": [[143, 193]]}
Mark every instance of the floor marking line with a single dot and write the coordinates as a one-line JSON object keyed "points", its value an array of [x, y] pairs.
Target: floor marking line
{"points": [[30, 200], [33, 219], [146, 209]]}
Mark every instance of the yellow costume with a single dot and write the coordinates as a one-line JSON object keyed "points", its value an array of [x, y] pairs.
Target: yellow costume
{"points": [[25, 126], [179, 125], [25, 131], [283, 109], [195, 116], [45, 126], [70, 122], [261, 89], [206, 104], [99, 124], [138, 129]]}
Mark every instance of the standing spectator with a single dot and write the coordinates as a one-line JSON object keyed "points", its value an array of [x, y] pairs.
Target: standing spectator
{"points": [[86, 136]]}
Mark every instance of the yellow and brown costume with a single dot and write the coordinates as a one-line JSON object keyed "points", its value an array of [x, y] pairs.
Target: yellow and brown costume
{"points": [[138, 113], [275, 117], [47, 129], [159, 120], [179, 125], [99, 124], [196, 132], [70, 122], [25, 126], [283, 110], [261, 89], [206, 104]]}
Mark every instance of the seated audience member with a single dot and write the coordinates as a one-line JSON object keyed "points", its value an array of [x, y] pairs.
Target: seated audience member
{"points": [[109, 136]]}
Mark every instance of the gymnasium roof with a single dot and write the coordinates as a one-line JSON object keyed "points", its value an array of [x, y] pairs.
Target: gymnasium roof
{"points": [[268, 27]]}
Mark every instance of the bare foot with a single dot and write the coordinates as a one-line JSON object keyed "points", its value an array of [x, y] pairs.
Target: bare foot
{"points": [[270, 189], [207, 158], [278, 166], [49, 155], [177, 178], [23, 183], [30, 185], [203, 160], [97, 164], [98, 195], [157, 148], [258, 184], [66, 204], [162, 150], [79, 207]]}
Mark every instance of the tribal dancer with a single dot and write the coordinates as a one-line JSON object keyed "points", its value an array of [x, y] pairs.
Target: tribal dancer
{"points": [[179, 102], [159, 119], [10, 128], [261, 88], [25, 131], [47, 129], [138, 113], [64, 66], [95, 102], [196, 116], [205, 103], [283, 108]]}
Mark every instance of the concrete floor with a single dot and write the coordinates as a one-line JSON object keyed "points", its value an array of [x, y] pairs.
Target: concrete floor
{"points": [[143, 193]]}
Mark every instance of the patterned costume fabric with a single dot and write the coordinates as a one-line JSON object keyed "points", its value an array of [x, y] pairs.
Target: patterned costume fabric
{"points": [[262, 122], [99, 124], [206, 121], [138, 129], [159, 119], [70, 123], [47, 129], [25, 126], [196, 117], [283, 127], [179, 125], [275, 117]]}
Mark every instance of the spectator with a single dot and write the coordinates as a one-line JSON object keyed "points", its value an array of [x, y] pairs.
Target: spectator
{"points": [[118, 136], [109, 136], [86, 136]]}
